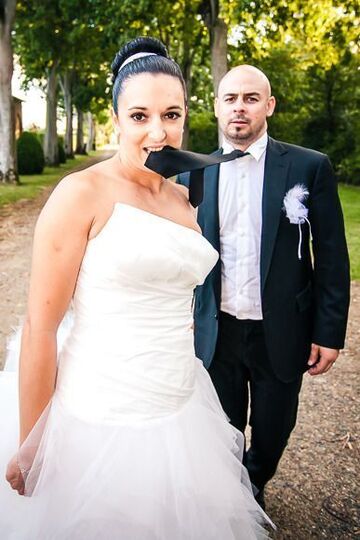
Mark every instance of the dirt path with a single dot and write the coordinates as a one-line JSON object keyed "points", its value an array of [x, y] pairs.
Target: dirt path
{"points": [[315, 493]]}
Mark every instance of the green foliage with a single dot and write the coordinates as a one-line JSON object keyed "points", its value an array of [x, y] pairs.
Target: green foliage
{"points": [[307, 49], [62, 157], [203, 135], [309, 52], [349, 171], [30, 154], [61, 150]]}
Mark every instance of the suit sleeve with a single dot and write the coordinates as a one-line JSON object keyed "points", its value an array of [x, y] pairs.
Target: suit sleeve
{"points": [[331, 260]]}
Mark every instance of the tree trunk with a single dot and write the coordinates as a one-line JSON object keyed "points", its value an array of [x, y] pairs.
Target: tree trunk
{"points": [[91, 133], [218, 45], [186, 65], [187, 78], [67, 91], [8, 164], [80, 148], [50, 141], [219, 67]]}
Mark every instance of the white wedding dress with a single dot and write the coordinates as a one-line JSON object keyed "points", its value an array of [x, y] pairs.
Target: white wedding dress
{"points": [[134, 444]]}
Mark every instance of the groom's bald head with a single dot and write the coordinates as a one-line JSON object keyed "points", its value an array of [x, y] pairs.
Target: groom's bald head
{"points": [[243, 104], [242, 73]]}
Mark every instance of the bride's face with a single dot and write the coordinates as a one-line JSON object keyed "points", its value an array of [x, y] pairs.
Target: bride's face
{"points": [[151, 114]]}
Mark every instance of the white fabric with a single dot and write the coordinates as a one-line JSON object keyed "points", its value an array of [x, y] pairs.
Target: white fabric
{"points": [[134, 444], [240, 202], [135, 57]]}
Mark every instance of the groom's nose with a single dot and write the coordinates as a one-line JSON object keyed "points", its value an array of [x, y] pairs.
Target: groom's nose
{"points": [[239, 104]]}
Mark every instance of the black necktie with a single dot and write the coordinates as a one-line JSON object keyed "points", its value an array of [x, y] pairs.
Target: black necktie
{"points": [[170, 161]]}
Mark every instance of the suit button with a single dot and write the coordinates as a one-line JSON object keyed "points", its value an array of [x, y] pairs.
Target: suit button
{"points": [[216, 316]]}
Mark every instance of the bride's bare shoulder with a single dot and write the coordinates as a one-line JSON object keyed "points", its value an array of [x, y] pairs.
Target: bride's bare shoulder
{"points": [[80, 190]]}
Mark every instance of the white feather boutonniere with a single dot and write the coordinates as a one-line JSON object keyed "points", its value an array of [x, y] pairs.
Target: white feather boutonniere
{"points": [[295, 210]]}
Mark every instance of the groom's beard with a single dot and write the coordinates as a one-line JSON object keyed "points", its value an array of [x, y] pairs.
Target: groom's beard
{"points": [[244, 133]]}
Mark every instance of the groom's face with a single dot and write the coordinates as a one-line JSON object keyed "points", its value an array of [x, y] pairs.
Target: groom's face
{"points": [[243, 105]]}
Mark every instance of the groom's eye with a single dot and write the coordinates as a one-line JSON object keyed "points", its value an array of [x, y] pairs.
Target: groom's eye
{"points": [[251, 99]]}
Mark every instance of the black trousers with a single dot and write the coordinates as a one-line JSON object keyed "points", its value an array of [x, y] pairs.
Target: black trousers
{"points": [[241, 370]]}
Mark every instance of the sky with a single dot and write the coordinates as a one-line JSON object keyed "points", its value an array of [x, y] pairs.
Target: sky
{"points": [[34, 104]]}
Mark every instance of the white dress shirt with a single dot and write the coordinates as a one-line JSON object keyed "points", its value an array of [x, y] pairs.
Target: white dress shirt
{"points": [[240, 213]]}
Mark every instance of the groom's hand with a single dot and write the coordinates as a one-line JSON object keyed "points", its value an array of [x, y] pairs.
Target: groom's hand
{"points": [[321, 359], [15, 477]]}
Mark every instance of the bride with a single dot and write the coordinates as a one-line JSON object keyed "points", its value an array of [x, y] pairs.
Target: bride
{"points": [[121, 432]]}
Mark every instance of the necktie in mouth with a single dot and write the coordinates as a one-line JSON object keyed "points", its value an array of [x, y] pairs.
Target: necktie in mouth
{"points": [[170, 161]]}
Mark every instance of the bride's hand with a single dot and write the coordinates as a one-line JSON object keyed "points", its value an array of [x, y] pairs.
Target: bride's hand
{"points": [[14, 476]]}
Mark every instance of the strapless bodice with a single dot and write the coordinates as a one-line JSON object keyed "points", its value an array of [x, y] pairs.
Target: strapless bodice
{"points": [[130, 353]]}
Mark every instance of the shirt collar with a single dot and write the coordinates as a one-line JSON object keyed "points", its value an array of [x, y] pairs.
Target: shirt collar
{"points": [[256, 149]]}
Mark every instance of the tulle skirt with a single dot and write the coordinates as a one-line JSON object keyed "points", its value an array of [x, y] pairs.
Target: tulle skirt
{"points": [[173, 478]]}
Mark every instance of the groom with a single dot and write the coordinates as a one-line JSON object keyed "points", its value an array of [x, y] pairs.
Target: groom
{"points": [[272, 308]]}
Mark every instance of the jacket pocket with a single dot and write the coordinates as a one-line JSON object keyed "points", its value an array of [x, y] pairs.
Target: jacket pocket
{"points": [[304, 298]]}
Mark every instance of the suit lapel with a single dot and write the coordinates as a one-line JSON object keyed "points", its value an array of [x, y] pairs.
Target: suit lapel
{"points": [[208, 213], [208, 218], [275, 176]]}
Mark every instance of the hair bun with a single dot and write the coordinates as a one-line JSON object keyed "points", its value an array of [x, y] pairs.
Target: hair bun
{"points": [[137, 45]]}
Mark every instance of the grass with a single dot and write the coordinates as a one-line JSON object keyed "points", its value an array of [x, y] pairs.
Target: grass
{"points": [[350, 200], [31, 185]]}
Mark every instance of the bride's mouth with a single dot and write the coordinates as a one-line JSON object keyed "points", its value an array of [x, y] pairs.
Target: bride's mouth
{"points": [[149, 149]]}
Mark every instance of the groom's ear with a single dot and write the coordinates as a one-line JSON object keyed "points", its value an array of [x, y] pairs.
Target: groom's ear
{"points": [[271, 104], [216, 104]]}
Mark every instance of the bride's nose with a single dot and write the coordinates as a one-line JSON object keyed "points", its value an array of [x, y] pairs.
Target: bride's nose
{"points": [[157, 132]]}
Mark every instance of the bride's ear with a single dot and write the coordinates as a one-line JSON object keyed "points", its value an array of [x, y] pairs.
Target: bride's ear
{"points": [[115, 121]]}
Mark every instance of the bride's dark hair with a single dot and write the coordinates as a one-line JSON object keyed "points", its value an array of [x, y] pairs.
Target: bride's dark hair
{"points": [[160, 62]]}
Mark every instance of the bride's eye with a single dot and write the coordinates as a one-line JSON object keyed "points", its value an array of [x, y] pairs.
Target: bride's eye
{"points": [[138, 117], [172, 115]]}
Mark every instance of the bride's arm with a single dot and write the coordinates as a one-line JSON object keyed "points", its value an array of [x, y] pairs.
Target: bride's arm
{"points": [[59, 243], [60, 239]]}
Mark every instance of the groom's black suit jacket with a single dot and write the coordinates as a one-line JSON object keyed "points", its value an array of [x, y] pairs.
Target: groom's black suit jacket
{"points": [[303, 301]]}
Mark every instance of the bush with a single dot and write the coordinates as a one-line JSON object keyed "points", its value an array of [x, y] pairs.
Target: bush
{"points": [[203, 134], [30, 154], [348, 170], [41, 136], [287, 127], [61, 150]]}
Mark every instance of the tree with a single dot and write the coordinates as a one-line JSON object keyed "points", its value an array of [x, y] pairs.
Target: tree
{"points": [[53, 51], [309, 52], [81, 62], [177, 24], [40, 47], [218, 33], [8, 169], [89, 95]]}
